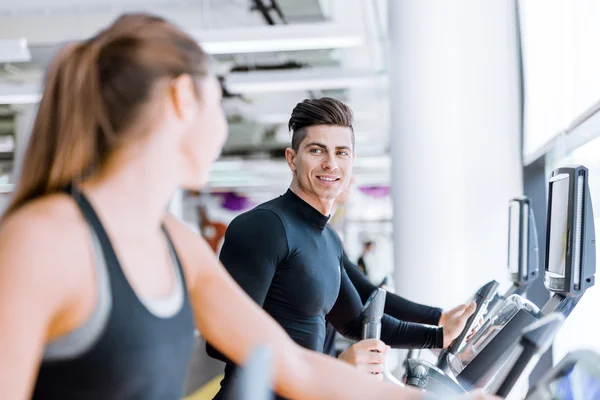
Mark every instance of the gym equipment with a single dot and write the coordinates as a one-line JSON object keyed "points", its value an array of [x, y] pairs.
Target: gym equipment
{"points": [[523, 253], [535, 341], [372, 312], [575, 377], [253, 381], [570, 267]]}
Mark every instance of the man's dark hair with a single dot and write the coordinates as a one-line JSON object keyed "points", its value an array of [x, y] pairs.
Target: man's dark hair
{"points": [[323, 111]]}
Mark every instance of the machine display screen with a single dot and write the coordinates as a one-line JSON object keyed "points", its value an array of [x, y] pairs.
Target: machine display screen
{"points": [[513, 237], [576, 384], [557, 252]]}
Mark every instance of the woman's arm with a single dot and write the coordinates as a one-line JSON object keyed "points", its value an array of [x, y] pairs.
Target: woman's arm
{"points": [[235, 325], [41, 275]]}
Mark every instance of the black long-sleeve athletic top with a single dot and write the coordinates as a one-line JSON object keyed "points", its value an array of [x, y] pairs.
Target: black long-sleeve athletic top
{"points": [[395, 306], [283, 254]]}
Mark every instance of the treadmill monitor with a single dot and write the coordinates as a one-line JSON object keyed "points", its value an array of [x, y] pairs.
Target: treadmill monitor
{"points": [[523, 255], [570, 237]]}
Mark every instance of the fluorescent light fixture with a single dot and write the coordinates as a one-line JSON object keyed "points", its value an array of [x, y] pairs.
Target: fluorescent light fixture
{"points": [[298, 80], [6, 188], [246, 82], [26, 93], [14, 50], [25, 98], [7, 144], [273, 45], [320, 36]]}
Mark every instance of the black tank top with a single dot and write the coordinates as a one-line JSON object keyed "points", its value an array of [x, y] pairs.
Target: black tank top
{"points": [[137, 356]]}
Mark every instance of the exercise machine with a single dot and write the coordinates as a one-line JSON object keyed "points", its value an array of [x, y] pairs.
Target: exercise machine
{"points": [[536, 339], [523, 252], [575, 377], [372, 313], [569, 271], [253, 381], [523, 256]]}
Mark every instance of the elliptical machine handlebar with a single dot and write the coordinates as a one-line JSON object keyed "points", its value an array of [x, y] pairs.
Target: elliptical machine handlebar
{"points": [[372, 313], [482, 298], [535, 340]]}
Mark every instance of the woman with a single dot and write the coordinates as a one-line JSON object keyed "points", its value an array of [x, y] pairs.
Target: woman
{"points": [[99, 287]]}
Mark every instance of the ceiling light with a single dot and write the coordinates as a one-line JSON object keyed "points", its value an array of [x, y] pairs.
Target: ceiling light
{"points": [[273, 45], [14, 50], [298, 80], [25, 98], [318, 36]]}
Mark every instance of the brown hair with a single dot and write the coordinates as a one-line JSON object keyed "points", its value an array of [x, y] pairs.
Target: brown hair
{"points": [[94, 93], [323, 111]]}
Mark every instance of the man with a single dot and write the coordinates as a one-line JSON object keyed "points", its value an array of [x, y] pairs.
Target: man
{"points": [[283, 254]]}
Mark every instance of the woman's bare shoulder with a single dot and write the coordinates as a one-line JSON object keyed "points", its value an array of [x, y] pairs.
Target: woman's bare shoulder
{"points": [[45, 239]]}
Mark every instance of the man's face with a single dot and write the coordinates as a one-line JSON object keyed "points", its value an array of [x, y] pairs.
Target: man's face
{"points": [[322, 166]]}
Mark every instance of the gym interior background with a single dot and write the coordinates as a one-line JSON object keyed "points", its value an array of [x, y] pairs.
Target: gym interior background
{"points": [[459, 107]]}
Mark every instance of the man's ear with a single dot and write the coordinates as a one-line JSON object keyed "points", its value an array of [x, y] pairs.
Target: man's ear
{"points": [[290, 157]]}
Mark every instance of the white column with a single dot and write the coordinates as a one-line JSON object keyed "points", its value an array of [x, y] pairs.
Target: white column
{"points": [[455, 143]]}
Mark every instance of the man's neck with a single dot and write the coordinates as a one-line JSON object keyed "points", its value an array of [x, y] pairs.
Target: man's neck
{"points": [[323, 206]]}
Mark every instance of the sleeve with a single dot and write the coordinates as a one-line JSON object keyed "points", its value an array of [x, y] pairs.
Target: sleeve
{"points": [[254, 245], [396, 306], [346, 317]]}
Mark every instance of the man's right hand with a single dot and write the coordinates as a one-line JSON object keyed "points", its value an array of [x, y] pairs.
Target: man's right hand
{"points": [[367, 355], [456, 323]]}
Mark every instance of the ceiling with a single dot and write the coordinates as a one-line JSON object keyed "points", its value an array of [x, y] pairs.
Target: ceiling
{"points": [[302, 49]]}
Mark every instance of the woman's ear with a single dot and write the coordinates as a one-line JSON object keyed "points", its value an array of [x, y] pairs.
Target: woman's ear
{"points": [[182, 94]]}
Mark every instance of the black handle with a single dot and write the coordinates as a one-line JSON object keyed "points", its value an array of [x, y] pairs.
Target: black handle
{"points": [[482, 297], [372, 313], [515, 372], [535, 339]]}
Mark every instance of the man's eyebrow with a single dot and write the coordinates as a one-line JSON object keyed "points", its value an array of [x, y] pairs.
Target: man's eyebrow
{"points": [[321, 145], [343, 148]]}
